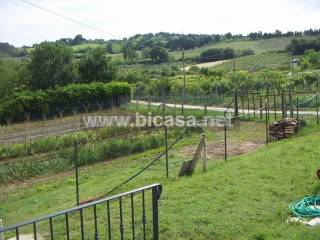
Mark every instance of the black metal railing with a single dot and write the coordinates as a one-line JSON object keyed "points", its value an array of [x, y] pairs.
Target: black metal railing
{"points": [[123, 204]]}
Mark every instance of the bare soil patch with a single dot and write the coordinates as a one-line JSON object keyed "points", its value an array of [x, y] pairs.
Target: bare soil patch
{"points": [[215, 149]]}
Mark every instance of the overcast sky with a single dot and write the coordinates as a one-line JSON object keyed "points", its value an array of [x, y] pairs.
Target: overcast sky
{"points": [[22, 24]]}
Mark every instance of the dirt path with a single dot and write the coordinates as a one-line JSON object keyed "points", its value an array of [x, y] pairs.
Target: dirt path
{"points": [[220, 109], [206, 65]]}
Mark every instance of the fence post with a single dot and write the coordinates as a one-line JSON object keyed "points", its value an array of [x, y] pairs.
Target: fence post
{"points": [[260, 101], [77, 172], [274, 106], [242, 103], [254, 106], [156, 192], [297, 108], [317, 108], [204, 153], [268, 102], [267, 134], [236, 107], [282, 105], [166, 149], [248, 102], [225, 136]]}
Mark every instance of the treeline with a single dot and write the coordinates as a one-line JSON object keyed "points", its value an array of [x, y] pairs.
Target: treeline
{"points": [[175, 41], [67, 99], [277, 34], [7, 49], [300, 46]]}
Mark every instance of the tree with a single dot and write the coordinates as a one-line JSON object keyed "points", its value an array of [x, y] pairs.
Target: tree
{"points": [[159, 54], [9, 80], [109, 48], [96, 66], [216, 54], [51, 64], [129, 55], [78, 39], [146, 52]]}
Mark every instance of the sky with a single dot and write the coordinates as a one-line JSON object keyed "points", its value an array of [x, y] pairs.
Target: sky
{"points": [[23, 24]]}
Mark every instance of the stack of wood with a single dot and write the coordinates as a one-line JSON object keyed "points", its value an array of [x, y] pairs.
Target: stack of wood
{"points": [[285, 128]]}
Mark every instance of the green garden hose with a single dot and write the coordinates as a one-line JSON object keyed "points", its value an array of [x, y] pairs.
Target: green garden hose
{"points": [[308, 207]]}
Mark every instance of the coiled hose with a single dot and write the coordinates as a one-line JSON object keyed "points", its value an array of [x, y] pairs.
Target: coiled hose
{"points": [[308, 207]]}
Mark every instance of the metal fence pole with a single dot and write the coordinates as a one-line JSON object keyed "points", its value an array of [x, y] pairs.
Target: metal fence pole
{"points": [[275, 106], [236, 106], [225, 136], [204, 156], [166, 147], [77, 172], [297, 108], [267, 134], [260, 101], [282, 105], [254, 106]]}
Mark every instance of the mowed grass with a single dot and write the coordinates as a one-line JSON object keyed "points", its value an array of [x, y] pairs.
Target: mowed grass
{"points": [[246, 197]]}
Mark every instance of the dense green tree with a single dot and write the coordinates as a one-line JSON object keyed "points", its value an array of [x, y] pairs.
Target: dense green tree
{"points": [[216, 54], [9, 79], [96, 66], [159, 54], [51, 64], [78, 39], [129, 55]]}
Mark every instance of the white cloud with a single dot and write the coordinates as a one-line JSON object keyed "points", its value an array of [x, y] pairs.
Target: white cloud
{"points": [[23, 24]]}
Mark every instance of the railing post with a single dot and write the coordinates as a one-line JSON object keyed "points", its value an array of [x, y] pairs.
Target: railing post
{"points": [[1, 234], [156, 193]]}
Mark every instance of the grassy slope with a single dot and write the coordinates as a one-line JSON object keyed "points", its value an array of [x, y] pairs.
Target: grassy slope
{"points": [[257, 62], [245, 198], [259, 46]]}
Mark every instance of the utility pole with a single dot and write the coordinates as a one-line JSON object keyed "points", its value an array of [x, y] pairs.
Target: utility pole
{"points": [[184, 82]]}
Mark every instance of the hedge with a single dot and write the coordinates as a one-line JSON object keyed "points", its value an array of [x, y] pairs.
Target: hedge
{"points": [[62, 99]]}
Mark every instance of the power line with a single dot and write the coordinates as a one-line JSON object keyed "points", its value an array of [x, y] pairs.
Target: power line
{"points": [[69, 19]]}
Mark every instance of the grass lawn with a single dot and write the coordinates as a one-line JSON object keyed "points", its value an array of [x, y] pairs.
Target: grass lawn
{"points": [[246, 197]]}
